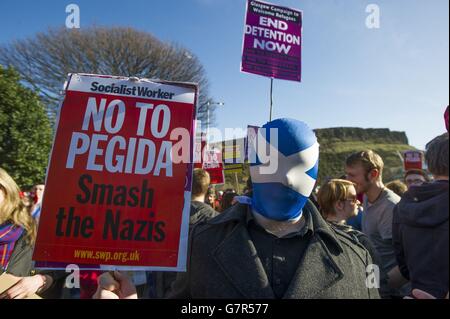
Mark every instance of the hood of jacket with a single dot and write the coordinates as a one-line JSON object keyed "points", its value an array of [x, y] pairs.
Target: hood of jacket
{"points": [[425, 205]]}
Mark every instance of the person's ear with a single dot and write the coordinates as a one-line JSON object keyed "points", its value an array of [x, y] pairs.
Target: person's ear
{"points": [[339, 206], [374, 174]]}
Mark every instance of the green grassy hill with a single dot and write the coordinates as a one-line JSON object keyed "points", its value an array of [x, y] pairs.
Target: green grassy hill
{"points": [[337, 143]]}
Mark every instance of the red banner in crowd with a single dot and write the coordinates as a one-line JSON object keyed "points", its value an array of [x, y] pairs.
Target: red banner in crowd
{"points": [[413, 160], [209, 159], [213, 164], [118, 183]]}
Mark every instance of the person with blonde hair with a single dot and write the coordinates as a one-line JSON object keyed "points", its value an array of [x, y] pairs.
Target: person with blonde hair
{"points": [[200, 211], [17, 237], [338, 202], [365, 170], [397, 187], [17, 229]]}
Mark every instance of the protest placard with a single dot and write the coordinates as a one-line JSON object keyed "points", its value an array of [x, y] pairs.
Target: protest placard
{"points": [[272, 41], [213, 164], [209, 158], [118, 181], [413, 160], [234, 168], [233, 156], [233, 151]]}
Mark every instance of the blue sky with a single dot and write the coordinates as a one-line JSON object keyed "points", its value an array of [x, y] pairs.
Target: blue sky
{"points": [[394, 77]]}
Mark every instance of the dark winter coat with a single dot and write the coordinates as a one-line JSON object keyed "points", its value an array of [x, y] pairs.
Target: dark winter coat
{"points": [[420, 235], [200, 212], [223, 263]]}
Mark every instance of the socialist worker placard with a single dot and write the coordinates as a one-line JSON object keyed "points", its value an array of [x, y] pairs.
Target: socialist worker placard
{"points": [[118, 182]]}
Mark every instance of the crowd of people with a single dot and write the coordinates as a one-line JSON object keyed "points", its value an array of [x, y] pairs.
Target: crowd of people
{"points": [[278, 239]]}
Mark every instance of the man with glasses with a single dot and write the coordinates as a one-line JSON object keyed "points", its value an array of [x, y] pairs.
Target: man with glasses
{"points": [[415, 177]]}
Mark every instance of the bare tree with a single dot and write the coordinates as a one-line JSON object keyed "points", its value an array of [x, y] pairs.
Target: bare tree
{"points": [[44, 60]]}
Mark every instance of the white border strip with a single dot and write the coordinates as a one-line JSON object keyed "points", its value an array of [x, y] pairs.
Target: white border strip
{"points": [[130, 87]]}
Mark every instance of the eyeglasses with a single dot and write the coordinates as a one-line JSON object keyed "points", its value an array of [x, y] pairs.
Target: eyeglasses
{"points": [[353, 200], [414, 181]]}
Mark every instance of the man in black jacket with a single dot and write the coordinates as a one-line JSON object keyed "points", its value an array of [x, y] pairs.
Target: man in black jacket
{"points": [[199, 210], [420, 226]]}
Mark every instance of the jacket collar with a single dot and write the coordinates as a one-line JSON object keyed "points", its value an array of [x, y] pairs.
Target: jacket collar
{"points": [[238, 213], [318, 269]]}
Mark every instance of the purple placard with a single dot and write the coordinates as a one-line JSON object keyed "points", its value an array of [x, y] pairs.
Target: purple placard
{"points": [[272, 41]]}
